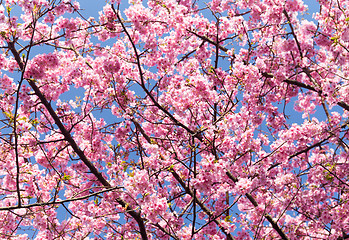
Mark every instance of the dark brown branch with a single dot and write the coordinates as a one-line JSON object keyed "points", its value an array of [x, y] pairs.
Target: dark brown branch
{"points": [[141, 130], [219, 215], [343, 105], [309, 148], [300, 84], [303, 85], [266, 215], [345, 236], [202, 206], [67, 135], [41, 204], [206, 39], [174, 120], [293, 33], [73, 144], [166, 232]]}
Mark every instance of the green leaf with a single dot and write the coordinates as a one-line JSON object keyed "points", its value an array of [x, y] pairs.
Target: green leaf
{"points": [[8, 9], [66, 177], [329, 177], [227, 219], [335, 39]]}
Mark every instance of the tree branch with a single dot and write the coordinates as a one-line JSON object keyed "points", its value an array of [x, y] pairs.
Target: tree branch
{"points": [[76, 148], [202, 206], [303, 85], [41, 204], [206, 39], [175, 121], [266, 215]]}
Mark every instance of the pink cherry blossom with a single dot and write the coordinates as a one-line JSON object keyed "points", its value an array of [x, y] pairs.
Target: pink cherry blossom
{"points": [[174, 120]]}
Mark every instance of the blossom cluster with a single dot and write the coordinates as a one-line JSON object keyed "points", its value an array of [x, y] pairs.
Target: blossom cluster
{"points": [[174, 120]]}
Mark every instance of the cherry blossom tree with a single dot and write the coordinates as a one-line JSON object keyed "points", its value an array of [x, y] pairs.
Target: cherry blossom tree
{"points": [[174, 119]]}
